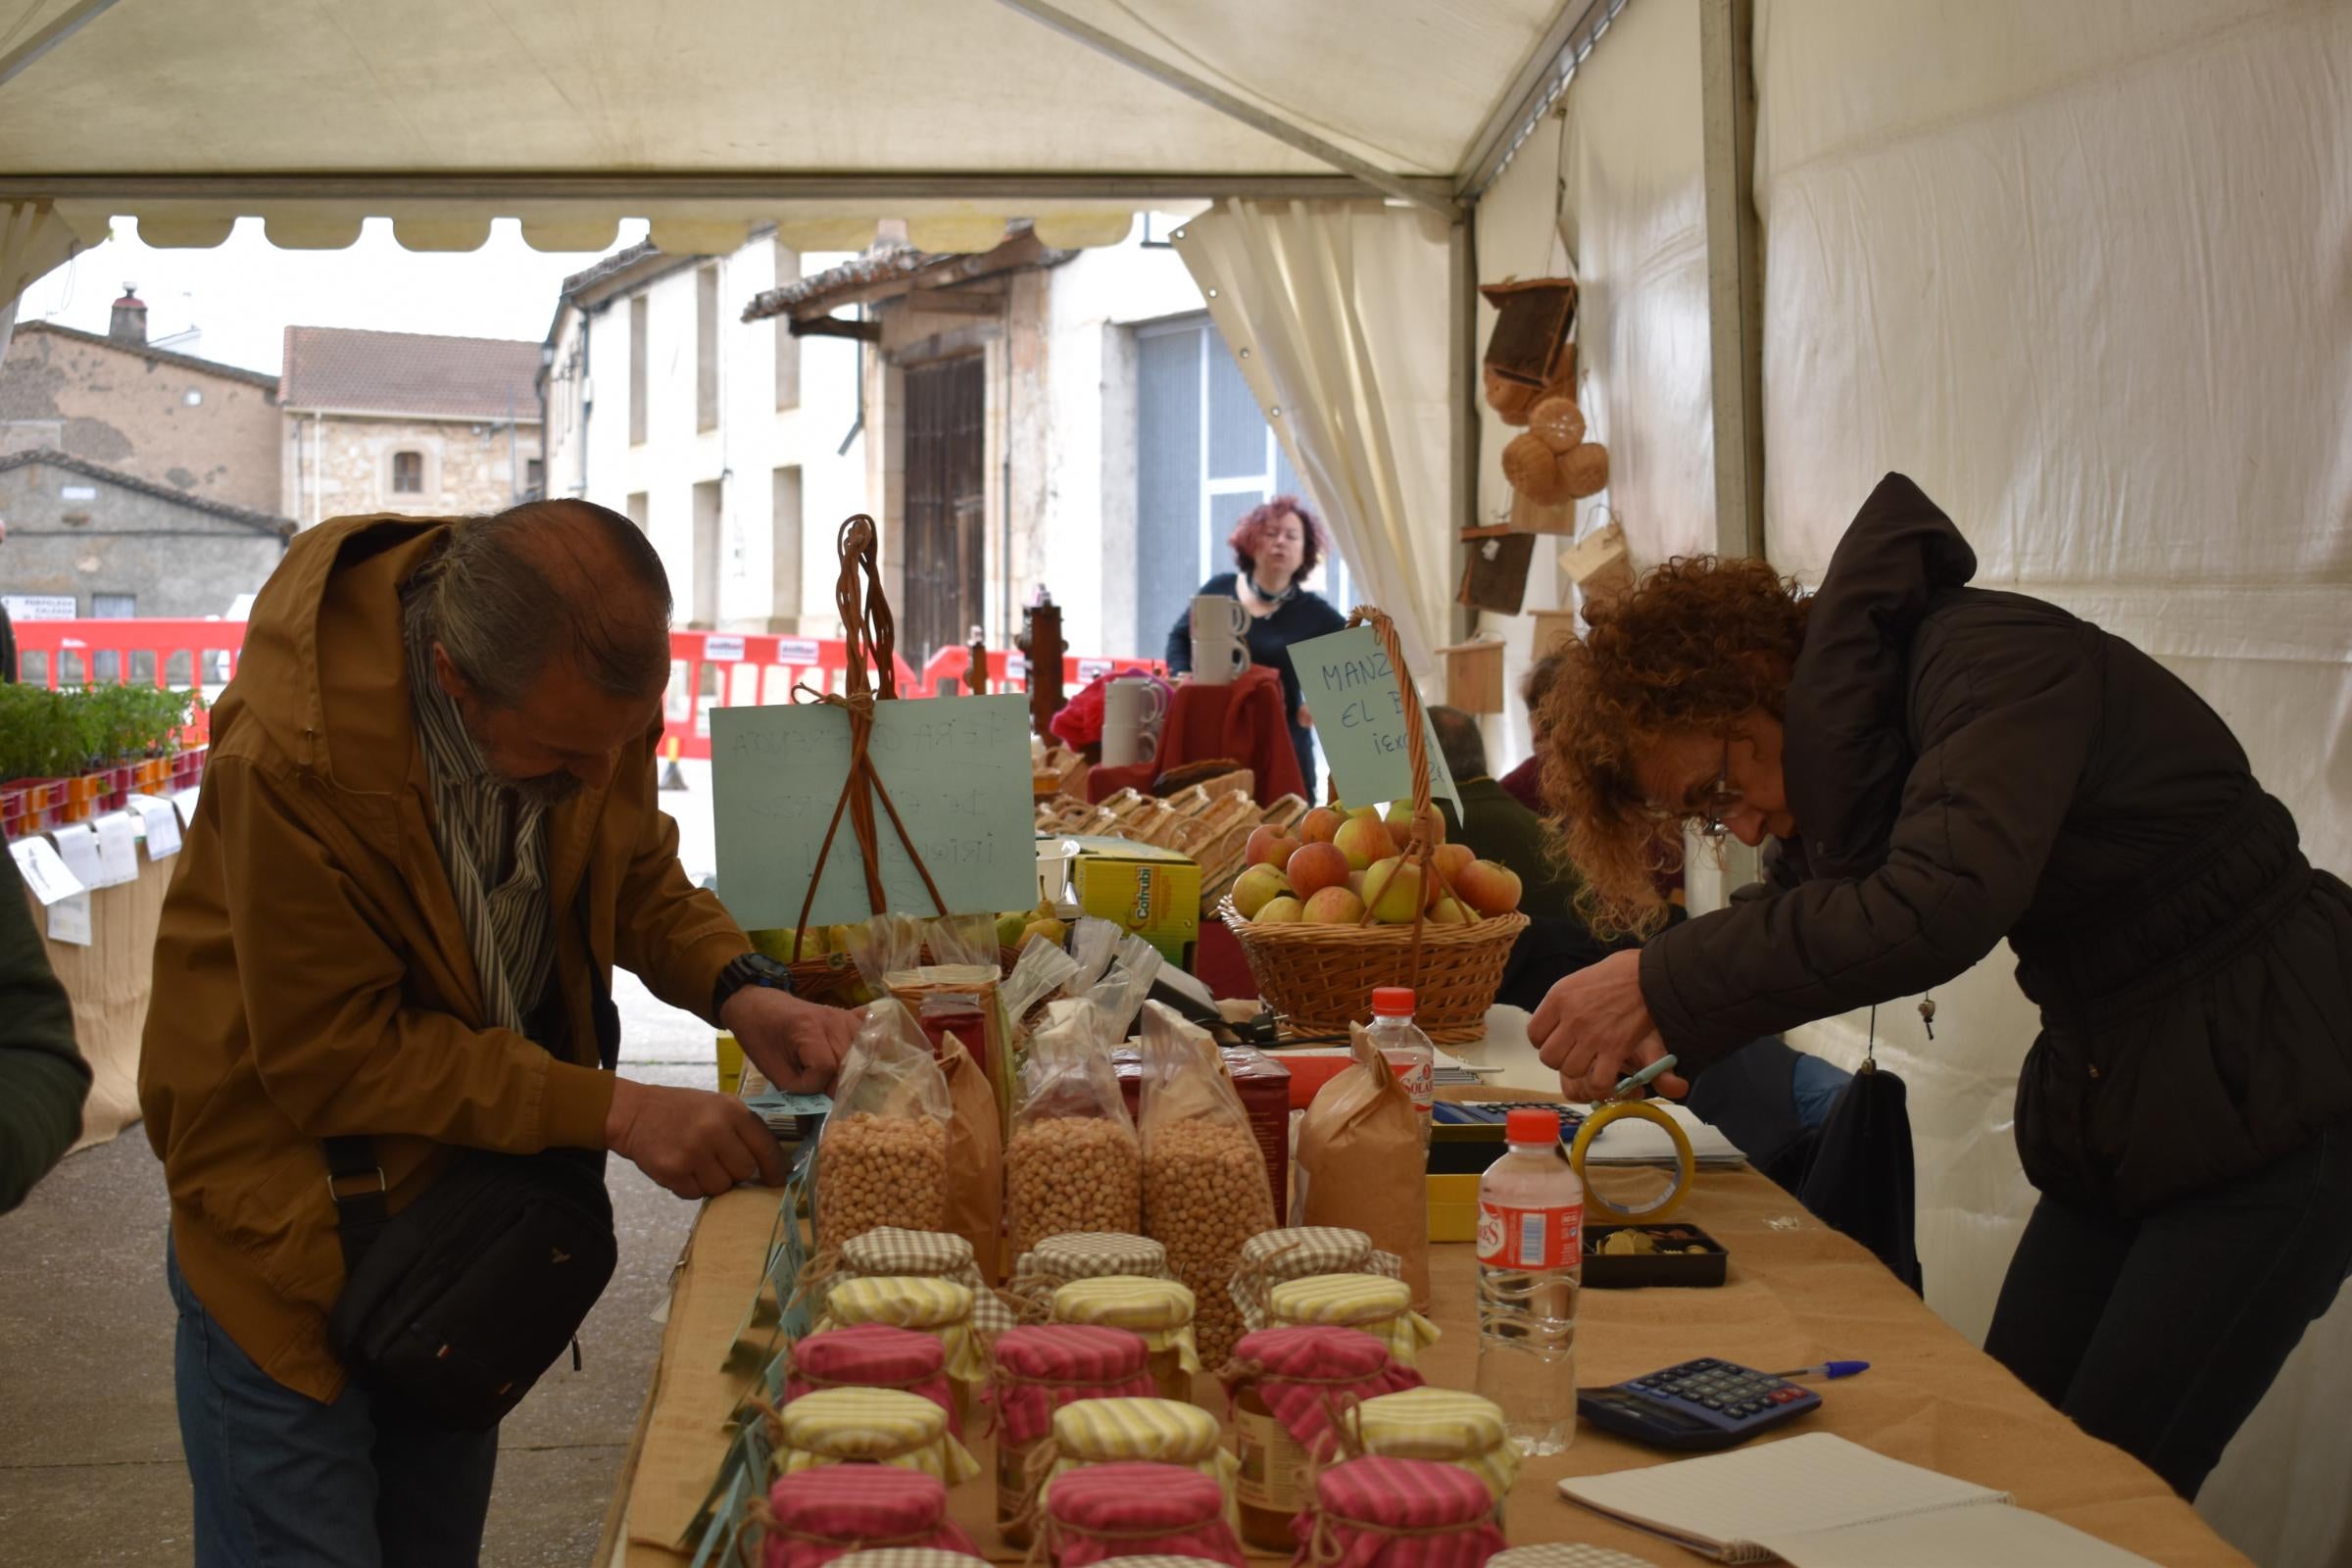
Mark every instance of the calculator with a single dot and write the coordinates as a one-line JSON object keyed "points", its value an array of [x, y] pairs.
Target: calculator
{"points": [[1697, 1405]]}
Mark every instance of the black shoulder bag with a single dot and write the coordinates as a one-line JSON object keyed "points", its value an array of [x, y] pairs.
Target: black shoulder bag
{"points": [[453, 1307]]}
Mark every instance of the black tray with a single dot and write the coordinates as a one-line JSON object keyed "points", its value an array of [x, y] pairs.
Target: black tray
{"points": [[1609, 1271]]}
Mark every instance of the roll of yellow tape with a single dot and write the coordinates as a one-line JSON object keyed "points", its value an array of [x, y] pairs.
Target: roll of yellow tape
{"points": [[1657, 1208]]}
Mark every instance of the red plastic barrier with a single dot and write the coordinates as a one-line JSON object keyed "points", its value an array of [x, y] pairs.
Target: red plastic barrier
{"points": [[707, 668]]}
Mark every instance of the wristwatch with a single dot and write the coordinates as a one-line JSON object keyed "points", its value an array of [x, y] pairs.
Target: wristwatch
{"points": [[749, 969]]}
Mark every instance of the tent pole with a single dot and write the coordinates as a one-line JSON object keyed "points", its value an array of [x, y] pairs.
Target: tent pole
{"points": [[1735, 327], [1462, 399], [1227, 104], [69, 21]]}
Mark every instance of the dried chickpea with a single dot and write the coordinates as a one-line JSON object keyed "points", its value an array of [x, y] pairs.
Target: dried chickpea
{"points": [[874, 1171], [1071, 1173], [1206, 1195]]}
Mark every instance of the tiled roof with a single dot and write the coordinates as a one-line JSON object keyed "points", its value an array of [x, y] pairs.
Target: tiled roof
{"points": [[877, 266], [186, 361], [49, 457], [340, 369]]}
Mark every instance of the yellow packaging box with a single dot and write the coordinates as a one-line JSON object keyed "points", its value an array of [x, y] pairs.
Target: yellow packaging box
{"points": [[1152, 892], [1454, 1208]]}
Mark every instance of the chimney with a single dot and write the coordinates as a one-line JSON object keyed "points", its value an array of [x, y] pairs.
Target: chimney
{"points": [[129, 325]]}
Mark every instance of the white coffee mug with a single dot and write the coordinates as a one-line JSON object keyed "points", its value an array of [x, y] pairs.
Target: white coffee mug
{"points": [[1220, 646], [1132, 707]]}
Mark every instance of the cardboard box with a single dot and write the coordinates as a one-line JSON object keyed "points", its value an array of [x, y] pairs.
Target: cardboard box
{"points": [[1152, 892], [1454, 1208]]}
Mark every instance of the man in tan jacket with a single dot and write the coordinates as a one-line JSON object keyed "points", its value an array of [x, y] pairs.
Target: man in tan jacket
{"points": [[427, 830]]}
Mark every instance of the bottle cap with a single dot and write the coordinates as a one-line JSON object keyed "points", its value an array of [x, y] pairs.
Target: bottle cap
{"points": [[1392, 1001], [1531, 1125]]}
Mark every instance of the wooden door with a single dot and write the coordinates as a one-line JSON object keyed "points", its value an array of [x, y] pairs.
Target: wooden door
{"points": [[944, 581]]}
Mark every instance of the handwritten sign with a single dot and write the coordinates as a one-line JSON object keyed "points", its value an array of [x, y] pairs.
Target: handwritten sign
{"points": [[158, 823], [44, 871], [959, 773], [118, 849], [78, 846], [1346, 682]]}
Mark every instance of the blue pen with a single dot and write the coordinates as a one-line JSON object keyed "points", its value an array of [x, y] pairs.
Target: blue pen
{"points": [[1645, 1078], [1828, 1369]]}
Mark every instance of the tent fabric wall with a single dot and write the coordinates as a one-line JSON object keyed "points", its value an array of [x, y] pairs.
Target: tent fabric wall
{"points": [[2080, 272], [1334, 313], [1632, 229]]}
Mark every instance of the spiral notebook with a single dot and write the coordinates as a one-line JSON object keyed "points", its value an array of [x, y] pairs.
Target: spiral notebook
{"points": [[1819, 1501]]}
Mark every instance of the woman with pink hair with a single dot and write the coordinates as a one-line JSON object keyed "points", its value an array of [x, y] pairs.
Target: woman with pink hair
{"points": [[1276, 546]]}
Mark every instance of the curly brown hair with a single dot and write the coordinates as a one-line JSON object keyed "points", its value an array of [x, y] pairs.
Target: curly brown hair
{"points": [[1700, 643]]}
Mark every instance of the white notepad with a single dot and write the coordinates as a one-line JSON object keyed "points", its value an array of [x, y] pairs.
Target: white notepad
{"points": [[1820, 1502]]}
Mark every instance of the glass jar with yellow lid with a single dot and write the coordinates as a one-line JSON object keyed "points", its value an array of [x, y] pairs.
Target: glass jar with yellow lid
{"points": [[1160, 1311]]}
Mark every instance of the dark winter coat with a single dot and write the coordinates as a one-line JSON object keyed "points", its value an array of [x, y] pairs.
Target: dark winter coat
{"points": [[1968, 765]]}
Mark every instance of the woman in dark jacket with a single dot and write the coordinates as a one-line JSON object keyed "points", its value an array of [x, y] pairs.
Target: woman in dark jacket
{"points": [[1276, 546], [1943, 767]]}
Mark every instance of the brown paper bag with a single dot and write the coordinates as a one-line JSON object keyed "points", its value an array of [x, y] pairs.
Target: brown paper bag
{"points": [[975, 1159], [1361, 1165]]}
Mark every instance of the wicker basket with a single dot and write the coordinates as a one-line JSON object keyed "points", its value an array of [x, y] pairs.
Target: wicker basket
{"points": [[1321, 977]]}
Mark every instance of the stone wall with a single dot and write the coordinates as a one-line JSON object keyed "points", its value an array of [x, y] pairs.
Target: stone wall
{"points": [[340, 465], [129, 411], [174, 559]]}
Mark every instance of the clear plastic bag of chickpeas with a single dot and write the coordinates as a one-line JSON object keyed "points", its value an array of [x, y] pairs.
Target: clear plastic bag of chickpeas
{"points": [[882, 1159], [1072, 1162], [1206, 1191]]}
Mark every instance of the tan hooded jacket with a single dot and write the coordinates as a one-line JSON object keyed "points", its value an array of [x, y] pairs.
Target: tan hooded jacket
{"points": [[312, 975]]}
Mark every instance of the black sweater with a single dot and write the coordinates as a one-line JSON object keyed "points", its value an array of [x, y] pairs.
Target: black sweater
{"points": [[42, 1076], [1299, 617]]}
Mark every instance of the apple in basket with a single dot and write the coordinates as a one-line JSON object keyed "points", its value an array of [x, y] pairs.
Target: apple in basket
{"points": [[1363, 840], [1393, 888], [1320, 826], [1284, 911], [1313, 867], [1268, 846], [1453, 859], [1489, 887], [1256, 887], [1445, 912], [1333, 906], [1401, 826]]}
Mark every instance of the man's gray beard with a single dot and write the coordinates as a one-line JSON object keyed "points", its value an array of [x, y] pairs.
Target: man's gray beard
{"points": [[548, 788]]}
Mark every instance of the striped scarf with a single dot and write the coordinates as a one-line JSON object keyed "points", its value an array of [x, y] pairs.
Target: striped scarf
{"points": [[492, 843]]}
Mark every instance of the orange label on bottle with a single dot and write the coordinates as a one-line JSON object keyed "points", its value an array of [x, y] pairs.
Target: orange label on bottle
{"points": [[1530, 1238]]}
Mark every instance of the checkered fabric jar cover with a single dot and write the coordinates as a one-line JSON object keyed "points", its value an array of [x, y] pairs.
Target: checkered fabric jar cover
{"points": [[941, 1309], [870, 1426], [1398, 1513], [1373, 1302], [1565, 1554], [815, 1517], [907, 1558], [1095, 1432], [871, 1355], [1442, 1424], [1310, 1377], [1270, 1258], [891, 1250], [1039, 1370], [1098, 1513], [1079, 1255], [1160, 1310]]}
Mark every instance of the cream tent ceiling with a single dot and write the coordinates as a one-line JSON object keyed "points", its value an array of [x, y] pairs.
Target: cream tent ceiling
{"points": [[706, 116]]}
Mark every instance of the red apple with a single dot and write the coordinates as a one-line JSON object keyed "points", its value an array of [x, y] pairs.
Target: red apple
{"points": [[1393, 888], [1253, 888], [1285, 910], [1313, 867], [1333, 906], [1268, 846], [1363, 840], [1356, 883], [1489, 887], [1400, 825], [1453, 859], [1320, 825]]}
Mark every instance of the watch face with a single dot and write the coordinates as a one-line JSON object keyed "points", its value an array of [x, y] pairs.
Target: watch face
{"points": [[760, 969]]}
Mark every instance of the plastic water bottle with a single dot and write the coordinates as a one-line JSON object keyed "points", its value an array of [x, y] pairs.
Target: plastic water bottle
{"points": [[1408, 1049], [1531, 1224]]}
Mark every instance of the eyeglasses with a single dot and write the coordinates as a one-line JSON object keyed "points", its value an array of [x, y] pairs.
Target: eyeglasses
{"points": [[1708, 806]]}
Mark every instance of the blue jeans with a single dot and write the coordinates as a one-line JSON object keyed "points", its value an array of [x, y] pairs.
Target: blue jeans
{"points": [[282, 1479]]}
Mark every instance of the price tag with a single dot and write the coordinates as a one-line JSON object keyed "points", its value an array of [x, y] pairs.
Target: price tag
{"points": [[118, 850], [43, 870], [185, 803], [78, 846], [69, 921], [160, 823]]}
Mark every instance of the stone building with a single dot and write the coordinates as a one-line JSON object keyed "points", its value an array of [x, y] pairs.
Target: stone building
{"points": [[407, 422], [196, 425], [120, 545]]}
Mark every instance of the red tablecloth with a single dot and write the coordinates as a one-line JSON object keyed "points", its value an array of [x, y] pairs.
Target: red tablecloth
{"points": [[1246, 722]]}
